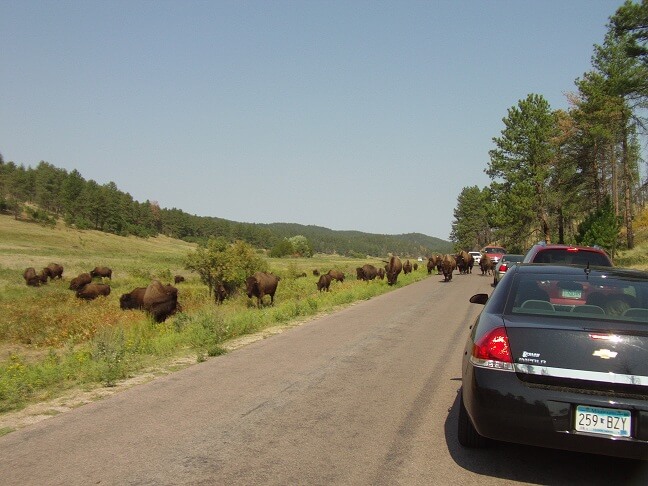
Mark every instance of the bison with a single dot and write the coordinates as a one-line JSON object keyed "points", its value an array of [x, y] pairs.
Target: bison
{"points": [[261, 284], [407, 267], [415, 266], [366, 272], [32, 279], [324, 282], [337, 275], [160, 301], [101, 272], [486, 265], [178, 278], [80, 281], [316, 272], [54, 270], [93, 290], [381, 273], [392, 269], [448, 264], [133, 300]]}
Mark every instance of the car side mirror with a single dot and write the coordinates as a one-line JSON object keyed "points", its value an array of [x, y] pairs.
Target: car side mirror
{"points": [[479, 299]]}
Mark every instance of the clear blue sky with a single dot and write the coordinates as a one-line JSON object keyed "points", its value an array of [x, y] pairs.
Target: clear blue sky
{"points": [[353, 115]]}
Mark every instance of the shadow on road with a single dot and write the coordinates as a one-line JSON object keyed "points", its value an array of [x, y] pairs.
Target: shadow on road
{"points": [[539, 465]]}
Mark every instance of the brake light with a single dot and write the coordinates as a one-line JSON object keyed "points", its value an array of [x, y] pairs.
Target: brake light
{"points": [[503, 267], [493, 346]]}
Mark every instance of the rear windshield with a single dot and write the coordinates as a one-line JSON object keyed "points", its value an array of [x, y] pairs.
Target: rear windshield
{"points": [[494, 250], [594, 297], [564, 257]]}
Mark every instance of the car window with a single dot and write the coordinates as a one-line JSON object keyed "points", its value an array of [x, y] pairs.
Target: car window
{"points": [[494, 250], [564, 257], [585, 298]]}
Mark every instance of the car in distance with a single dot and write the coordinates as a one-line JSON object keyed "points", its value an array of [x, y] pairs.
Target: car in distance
{"points": [[567, 255], [476, 256], [541, 372], [494, 253], [504, 264]]}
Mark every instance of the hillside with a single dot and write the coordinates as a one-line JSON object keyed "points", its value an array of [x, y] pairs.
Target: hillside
{"points": [[47, 194]]}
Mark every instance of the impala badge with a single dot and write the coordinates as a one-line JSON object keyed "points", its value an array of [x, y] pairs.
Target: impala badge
{"points": [[605, 353]]}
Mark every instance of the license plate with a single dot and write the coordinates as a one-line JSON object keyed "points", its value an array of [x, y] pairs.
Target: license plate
{"points": [[571, 294], [607, 421]]}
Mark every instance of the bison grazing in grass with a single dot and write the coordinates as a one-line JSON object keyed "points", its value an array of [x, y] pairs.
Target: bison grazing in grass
{"points": [[178, 278], [133, 300], [366, 272], [261, 284], [161, 301], [337, 275], [31, 277], [324, 282], [80, 281], [101, 272], [54, 270], [93, 290]]}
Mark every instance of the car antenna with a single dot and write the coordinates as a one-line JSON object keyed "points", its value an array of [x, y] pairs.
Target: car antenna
{"points": [[587, 270]]}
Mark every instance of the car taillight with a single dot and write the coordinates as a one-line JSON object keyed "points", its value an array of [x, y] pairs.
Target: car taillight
{"points": [[493, 346], [503, 267]]}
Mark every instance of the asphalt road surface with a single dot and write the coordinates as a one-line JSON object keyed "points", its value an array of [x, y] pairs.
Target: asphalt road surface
{"points": [[365, 396]]}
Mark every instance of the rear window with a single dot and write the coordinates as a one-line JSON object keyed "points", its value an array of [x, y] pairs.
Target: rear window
{"points": [[565, 257], [494, 250], [601, 297]]}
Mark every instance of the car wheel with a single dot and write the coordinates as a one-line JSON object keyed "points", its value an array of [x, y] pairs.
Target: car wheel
{"points": [[466, 432]]}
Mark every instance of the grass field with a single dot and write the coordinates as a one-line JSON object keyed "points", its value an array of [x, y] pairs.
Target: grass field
{"points": [[51, 341]]}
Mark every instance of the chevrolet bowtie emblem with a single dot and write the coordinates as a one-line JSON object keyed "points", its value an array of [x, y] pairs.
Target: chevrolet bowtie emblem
{"points": [[605, 353]]}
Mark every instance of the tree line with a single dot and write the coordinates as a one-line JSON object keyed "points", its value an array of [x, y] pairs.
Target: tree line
{"points": [[48, 194], [570, 176]]}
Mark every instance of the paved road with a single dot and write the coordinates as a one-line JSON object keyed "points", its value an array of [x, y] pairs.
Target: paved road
{"points": [[365, 396]]}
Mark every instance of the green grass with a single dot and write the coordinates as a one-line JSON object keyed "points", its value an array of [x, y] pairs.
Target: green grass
{"points": [[50, 341]]}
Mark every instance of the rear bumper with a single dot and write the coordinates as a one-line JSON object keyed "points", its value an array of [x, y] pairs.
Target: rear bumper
{"points": [[502, 407]]}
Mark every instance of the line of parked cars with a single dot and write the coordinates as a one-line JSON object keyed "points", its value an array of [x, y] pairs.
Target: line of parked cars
{"points": [[558, 357]]}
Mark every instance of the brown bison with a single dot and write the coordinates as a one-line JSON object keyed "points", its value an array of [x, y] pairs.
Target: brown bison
{"points": [[54, 270], [93, 290], [407, 267], [161, 301], [178, 278], [415, 266], [80, 281], [32, 278], [381, 273], [464, 261], [392, 269], [133, 300], [337, 275], [261, 284], [431, 264], [324, 282], [101, 272], [448, 264], [486, 265], [316, 272], [366, 272]]}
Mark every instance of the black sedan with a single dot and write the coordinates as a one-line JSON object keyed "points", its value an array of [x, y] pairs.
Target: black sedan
{"points": [[559, 358]]}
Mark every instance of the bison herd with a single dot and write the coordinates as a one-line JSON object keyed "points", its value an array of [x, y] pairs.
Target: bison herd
{"points": [[161, 301]]}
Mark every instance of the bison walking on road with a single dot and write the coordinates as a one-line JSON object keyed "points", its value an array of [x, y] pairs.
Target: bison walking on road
{"points": [[448, 264]]}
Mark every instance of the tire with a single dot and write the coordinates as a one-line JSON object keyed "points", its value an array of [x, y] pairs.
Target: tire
{"points": [[466, 432]]}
